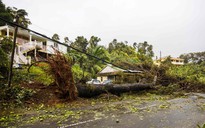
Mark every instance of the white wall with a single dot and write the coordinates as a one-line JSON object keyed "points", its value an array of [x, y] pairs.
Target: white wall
{"points": [[61, 48]]}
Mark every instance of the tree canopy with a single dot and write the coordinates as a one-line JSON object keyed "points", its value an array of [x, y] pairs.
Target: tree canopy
{"points": [[5, 50], [197, 57], [4, 13]]}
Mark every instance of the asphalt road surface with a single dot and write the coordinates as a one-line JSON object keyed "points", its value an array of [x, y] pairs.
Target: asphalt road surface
{"points": [[176, 113]]}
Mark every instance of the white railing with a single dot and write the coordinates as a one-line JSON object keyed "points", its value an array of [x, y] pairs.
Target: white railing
{"points": [[23, 58], [26, 47], [21, 41], [178, 63], [16, 59]]}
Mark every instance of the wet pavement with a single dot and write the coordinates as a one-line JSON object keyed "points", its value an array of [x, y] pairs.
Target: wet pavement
{"points": [[134, 112], [176, 113]]}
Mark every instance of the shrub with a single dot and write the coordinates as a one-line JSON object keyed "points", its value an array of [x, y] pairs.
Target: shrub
{"points": [[15, 94], [167, 90], [37, 74], [40, 75]]}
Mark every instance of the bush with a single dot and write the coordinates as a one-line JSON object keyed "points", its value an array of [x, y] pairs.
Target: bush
{"points": [[167, 90], [37, 74], [80, 76], [15, 94], [5, 49], [40, 75], [190, 77]]}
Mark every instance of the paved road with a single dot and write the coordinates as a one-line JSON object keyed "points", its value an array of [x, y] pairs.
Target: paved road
{"points": [[185, 112], [176, 113]]}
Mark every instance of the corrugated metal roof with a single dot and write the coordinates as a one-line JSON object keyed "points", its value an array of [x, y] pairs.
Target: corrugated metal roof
{"points": [[110, 69]]}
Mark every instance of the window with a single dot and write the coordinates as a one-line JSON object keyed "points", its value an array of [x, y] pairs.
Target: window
{"points": [[55, 45]]}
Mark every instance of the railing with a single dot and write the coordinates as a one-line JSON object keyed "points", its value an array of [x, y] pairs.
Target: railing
{"points": [[177, 63], [23, 58], [28, 46], [21, 41], [16, 59]]}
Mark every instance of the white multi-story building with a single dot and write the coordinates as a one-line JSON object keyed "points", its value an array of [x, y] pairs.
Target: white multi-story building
{"points": [[30, 46], [174, 61]]}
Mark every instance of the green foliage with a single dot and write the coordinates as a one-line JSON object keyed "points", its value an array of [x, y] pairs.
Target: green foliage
{"points": [[94, 65], [20, 16], [5, 49], [144, 49], [79, 75], [37, 74], [119, 53], [190, 72], [167, 90], [6, 44], [190, 77], [55, 37], [4, 13], [80, 43], [3, 64], [196, 58], [86, 67], [41, 75], [203, 126], [15, 94]]}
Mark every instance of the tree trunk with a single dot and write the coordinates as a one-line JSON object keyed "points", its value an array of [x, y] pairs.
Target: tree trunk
{"points": [[117, 89]]}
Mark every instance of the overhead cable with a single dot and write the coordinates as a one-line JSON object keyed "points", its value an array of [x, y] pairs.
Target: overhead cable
{"points": [[42, 35]]}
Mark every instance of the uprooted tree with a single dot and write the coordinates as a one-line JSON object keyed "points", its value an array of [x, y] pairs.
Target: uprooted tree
{"points": [[60, 69]]}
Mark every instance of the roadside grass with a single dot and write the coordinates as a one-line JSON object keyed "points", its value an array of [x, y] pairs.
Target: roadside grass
{"points": [[202, 126]]}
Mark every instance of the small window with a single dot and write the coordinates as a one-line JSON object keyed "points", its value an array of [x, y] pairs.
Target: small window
{"points": [[55, 45], [44, 43]]}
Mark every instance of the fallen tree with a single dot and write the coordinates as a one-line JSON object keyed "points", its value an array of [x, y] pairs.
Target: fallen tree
{"points": [[95, 90], [60, 69]]}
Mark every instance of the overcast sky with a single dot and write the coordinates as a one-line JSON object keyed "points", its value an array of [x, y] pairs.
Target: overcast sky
{"points": [[171, 26]]}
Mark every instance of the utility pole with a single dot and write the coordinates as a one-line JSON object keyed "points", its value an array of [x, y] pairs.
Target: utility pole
{"points": [[12, 54], [160, 56]]}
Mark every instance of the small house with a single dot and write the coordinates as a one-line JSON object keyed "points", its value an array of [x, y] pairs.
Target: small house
{"points": [[117, 74]]}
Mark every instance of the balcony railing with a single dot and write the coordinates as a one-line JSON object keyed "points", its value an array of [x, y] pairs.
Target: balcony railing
{"points": [[21, 41]]}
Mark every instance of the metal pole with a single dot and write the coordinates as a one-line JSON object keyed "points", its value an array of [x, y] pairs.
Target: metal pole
{"points": [[160, 55], [12, 57]]}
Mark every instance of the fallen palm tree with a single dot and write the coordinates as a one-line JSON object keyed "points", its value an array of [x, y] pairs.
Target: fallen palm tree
{"points": [[94, 90], [60, 69]]}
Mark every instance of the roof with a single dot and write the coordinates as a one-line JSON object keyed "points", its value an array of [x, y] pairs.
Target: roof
{"points": [[172, 58], [23, 32], [109, 69], [133, 71]]}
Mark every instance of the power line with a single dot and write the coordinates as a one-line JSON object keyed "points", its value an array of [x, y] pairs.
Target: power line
{"points": [[42, 35], [41, 28]]}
